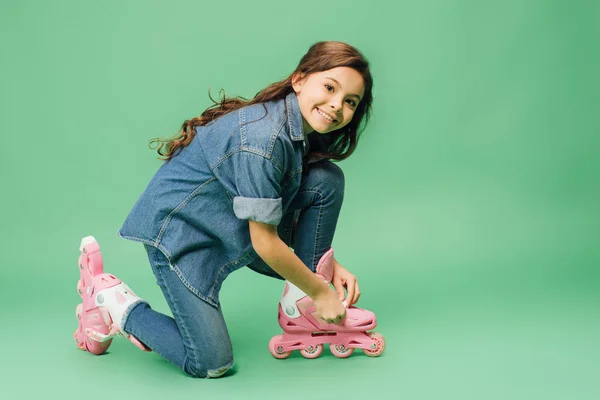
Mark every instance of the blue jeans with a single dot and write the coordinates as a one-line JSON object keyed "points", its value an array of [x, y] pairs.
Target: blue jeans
{"points": [[196, 338]]}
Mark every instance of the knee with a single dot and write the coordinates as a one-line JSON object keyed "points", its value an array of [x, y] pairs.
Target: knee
{"points": [[335, 173], [329, 176], [203, 370]]}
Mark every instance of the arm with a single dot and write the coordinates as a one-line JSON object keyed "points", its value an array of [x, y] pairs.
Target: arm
{"points": [[283, 260]]}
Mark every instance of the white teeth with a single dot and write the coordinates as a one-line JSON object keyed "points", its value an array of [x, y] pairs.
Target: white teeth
{"points": [[325, 115]]}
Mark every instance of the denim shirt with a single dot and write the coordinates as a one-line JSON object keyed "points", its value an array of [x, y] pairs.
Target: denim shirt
{"points": [[244, 165]]}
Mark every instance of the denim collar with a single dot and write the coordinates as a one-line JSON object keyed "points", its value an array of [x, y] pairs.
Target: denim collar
{"points": [[294, 116]]}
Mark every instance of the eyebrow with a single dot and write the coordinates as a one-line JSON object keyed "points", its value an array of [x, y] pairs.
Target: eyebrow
{"points": [[335, 80]]}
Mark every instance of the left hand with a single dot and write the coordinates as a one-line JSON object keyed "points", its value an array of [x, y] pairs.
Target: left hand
{"points": [[342, 278]]}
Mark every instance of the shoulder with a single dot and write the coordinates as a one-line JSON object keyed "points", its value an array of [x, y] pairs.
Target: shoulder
{"points": [[263, 127], [264, 117]]}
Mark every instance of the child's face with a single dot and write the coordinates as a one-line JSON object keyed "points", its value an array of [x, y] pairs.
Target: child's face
{"points": [[320, 92]]}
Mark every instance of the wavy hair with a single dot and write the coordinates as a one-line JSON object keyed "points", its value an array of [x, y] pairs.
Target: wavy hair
{"points": [[321, 56]]}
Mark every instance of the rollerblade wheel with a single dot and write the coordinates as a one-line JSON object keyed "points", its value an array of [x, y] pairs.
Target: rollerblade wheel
{"points": [[378, 346], [78, 336], [276, 350], [340, 350], [312, 351]]}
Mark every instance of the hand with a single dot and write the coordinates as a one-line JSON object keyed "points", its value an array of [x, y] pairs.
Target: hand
{"points": [[329, 307], [342, 278]]}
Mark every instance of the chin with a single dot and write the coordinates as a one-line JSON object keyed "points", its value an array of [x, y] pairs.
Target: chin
{"points": [[321, 132], [325, 130]]}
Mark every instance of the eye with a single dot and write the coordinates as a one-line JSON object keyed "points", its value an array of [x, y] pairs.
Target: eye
{"points": [[331, 87]]}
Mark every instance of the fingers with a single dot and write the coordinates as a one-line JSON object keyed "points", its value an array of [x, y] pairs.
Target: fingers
{"points": [[337, 320], [351, 287], [356, 293], [339, 288]]}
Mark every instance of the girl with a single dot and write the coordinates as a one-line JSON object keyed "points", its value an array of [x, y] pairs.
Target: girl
{"points": [[240, 185]]}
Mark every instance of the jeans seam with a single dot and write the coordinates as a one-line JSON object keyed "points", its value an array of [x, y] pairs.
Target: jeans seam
{"points": [[317, 235], [182, 328], [154, 262], [318, 229]]}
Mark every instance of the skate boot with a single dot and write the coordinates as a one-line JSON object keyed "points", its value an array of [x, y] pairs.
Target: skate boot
{"points": [[105, 299], [304, 331]]}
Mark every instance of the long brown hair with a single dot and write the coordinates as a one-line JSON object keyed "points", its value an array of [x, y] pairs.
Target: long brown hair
{"points": [[321, 56]]}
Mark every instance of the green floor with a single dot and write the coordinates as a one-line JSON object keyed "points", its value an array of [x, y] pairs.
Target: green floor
{"points": [[538, 343]]}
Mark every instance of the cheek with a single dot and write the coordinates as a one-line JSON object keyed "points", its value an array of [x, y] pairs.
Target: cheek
{"points": [[348, 118]]}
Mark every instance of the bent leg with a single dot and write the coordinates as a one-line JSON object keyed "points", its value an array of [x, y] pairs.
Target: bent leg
{"points": [[196, 339], [320, 201], [314, 213]]}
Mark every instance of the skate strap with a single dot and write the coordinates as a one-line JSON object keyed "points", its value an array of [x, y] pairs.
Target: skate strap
{"points": [[99, 336], [114, 331]]}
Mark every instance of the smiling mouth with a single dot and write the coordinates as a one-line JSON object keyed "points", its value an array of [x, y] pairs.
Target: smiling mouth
{"points": [[326, 116]]}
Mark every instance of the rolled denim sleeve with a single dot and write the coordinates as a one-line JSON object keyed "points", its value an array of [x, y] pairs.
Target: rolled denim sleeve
{"points": [[268, 211], [257, 182]]}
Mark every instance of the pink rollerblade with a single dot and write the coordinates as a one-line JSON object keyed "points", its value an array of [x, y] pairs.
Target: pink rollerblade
{"points": [[105, 299], [304, 331]]}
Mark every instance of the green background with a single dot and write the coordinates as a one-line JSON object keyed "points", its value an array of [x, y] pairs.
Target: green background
{"points": [[471, 212]]}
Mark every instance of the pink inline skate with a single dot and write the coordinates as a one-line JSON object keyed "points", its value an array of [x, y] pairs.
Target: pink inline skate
{"points": [[304, 331], [105, 299]]}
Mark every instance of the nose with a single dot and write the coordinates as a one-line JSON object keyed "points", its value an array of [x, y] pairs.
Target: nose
{"points": [[336, 106]]}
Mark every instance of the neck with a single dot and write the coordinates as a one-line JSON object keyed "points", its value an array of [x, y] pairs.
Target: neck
{"points": [[306, 127]]}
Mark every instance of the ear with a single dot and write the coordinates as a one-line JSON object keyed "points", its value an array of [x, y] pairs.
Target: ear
{"points": [[297, 81]]}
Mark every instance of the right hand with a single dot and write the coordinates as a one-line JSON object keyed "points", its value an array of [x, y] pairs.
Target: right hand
{"points": [[329, 307]]}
